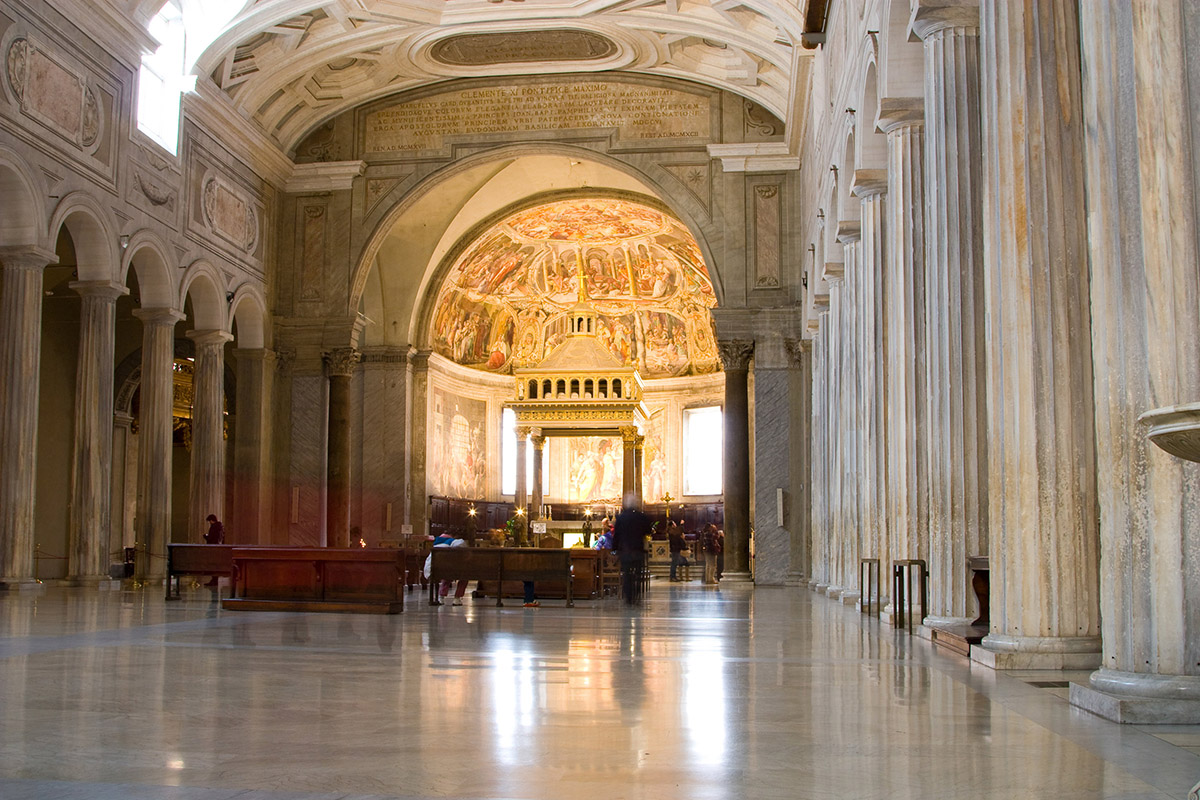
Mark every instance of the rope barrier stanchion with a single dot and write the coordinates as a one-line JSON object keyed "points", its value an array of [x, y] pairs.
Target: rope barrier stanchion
{"points": [[38, 555]]}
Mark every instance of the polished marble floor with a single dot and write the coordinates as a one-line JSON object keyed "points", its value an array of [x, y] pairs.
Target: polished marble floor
{"points": [[704, 694]]}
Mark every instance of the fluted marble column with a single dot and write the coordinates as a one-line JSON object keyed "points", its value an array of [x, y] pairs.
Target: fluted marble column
{"points": [[903, 121], [521, 497], [954, 285], [1044, 526], [735, 357], [834, 452], [1146, 338], [88, 556], [871, 187], [539, 450], [251, 452], [847, 426], [156, 400], [20, 365], [207, 491], [819, 473], [339, 366]]}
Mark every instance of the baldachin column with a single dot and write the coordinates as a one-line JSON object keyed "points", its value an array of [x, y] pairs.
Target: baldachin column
{"points": [[339, 366], [20, 366], [91, 484], [155, 404], [735, 356], [1044, 526], [954, 285], [539, 450], [207, 491]]}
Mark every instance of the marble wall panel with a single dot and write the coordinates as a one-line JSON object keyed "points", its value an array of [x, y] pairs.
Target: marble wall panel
{"points": [[309, 430]]}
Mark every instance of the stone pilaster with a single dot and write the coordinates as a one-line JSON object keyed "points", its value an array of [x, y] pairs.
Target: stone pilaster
{"points": [[156, 400], [871, 187], [20, 364], [846, 424], [385, 467], [207, 491], [798, 498], [91, 487], [250, 520], [904, 351], [339, 367], [1043, 522], [1146, 343], [735, 356], [954, 286], [772, 460]]}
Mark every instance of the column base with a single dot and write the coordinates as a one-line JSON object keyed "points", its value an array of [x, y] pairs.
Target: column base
{"points": [[849, 598], [818, 587], [1031, 652], [833, 592], [1140, 699], [736, 577]]}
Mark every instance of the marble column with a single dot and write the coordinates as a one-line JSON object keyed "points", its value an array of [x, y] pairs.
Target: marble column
{"points": [[20, 364], [772, 460], [339, 366], [207, 491], [1146, 341], [819, 475], [954, 285], [735, 356], [639, 450], [871, 187], [250, 520], [628, 461], [834, 453], [903, 122], [1044, 527], [520, 497], [156, 394], [539, 450], [88, 555], [847, 426]]}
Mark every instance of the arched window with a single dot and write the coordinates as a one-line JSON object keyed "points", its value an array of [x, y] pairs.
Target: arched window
{"points": [[588, 388], [575, 388], [533, 390], [603, 388], [617, 388], [547, 390]]}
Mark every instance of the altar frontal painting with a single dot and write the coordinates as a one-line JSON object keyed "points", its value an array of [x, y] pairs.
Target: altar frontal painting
{"points": [[458, 446], [595, 468], [504, 303]]}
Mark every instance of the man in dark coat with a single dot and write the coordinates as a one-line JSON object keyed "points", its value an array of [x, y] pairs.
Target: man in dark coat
{"points": [[630, 532]]}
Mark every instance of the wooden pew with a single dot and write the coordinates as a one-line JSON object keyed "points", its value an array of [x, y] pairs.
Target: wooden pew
{"points": [[213, 560], [355, 580], [499, 564]]}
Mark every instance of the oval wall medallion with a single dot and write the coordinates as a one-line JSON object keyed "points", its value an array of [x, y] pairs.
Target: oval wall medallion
{"points": [[514, 47]]}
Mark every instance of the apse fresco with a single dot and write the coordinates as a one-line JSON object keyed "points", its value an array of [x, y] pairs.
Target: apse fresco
{"points": [[458, 441], [504, 303]]}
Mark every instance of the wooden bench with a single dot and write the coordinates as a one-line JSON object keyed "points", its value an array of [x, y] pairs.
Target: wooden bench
{"points": [[213, 560], [499, 564], [355, 580]]}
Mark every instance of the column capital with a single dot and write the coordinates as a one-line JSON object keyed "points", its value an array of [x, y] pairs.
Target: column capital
{"points": [[735, 353], [210, 337], [798, 351], [340, 362], [522, 432], [901, 112], [285, 357], [629, 435], [31, 257], [102, 290], [932, 16], [159, 317], [869, 182], [849, 231]]}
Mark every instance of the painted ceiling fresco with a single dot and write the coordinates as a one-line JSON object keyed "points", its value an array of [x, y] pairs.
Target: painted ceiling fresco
{"points": [[504, 303]]}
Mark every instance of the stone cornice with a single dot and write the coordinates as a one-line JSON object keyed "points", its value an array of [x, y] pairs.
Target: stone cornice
{"points": [[833, 271], [30, 257], [115, 31], [761, 157], [334, 176], [930, 16], [897, 112], [212, 337], [849, 231], [868, 182], [108, 290], [210, 108], [159, 316]]}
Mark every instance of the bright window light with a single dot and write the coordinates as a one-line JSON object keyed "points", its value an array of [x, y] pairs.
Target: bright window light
{"points": [[702, 450], [508, 457]]}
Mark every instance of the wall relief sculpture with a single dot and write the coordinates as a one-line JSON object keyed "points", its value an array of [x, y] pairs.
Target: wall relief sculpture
{"points": [[53, 94], [230, 214]]}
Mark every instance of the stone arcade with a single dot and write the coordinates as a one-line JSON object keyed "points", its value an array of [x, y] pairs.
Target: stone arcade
{"points": [[936, 262]]}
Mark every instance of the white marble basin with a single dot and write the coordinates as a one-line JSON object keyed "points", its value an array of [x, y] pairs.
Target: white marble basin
{"points": [[1175, 429]]}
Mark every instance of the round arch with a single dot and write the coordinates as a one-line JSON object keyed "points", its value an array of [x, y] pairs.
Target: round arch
{"points": [[683, 207], [91, 231], [249, 312], [20, 223], [146, 255], [203, 284]]}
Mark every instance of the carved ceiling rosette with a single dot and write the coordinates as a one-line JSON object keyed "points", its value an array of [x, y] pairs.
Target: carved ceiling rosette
{"points": [[735, 353]]}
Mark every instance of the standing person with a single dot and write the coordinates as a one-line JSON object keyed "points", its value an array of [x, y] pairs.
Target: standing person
{"points": [[215, 535], [449, 539], [720, 554], [711, 546], [630, 532], [678, 547]]}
